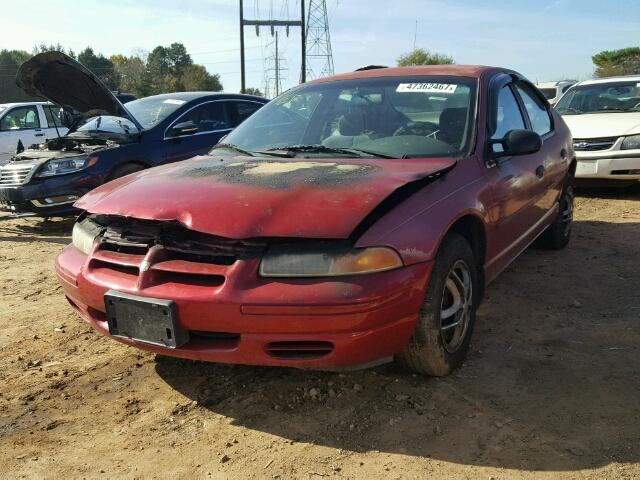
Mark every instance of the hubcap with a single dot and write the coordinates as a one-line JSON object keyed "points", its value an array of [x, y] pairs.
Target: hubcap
{"points": [[457, 303]]}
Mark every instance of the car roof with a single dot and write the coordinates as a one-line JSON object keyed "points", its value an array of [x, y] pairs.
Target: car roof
{"points": [[472, 71], [23, 104], [621, 78], [554, 84], [189, 96]]}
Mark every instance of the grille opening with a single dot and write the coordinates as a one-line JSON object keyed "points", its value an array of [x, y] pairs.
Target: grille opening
{"points": [[202, 257], [127, 270], [127, 249], [299, 350], [161, 277], [223, 340], [592, 144]]}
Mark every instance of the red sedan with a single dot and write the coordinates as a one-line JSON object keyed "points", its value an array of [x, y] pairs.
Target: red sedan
{"points": [[351, 221]]}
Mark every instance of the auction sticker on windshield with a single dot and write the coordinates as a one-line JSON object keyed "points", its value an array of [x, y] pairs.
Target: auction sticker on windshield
{"points": [[427, 87], [174, 101]]}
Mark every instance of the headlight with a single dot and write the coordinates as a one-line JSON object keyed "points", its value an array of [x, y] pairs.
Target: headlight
{"points": [[66, 165], [84, 234], [631, 143], [327, 263]]}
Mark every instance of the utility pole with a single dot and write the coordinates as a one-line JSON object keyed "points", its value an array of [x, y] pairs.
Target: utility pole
{"points": [[277, 67], [273, 23], [319, 53]]}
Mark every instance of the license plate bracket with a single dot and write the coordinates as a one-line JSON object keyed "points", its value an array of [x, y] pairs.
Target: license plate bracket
{"points": [[148, 320]]}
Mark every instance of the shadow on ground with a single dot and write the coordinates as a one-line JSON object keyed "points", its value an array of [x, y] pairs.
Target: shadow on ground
{"points": [[551, 382], [32, 229]]}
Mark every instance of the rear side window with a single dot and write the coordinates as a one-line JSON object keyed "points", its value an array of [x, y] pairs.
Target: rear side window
{"points": [[240, 111], [20, 118], [509, 116], [52, 113], [537, 111], [208, 117]]}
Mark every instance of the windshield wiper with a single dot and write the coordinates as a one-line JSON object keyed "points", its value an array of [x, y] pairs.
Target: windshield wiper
{"points": [[325, 149], [230, 146]]}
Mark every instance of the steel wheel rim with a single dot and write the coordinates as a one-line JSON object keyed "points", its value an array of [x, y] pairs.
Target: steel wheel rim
{"points": [[456, 306], [567, 211]]}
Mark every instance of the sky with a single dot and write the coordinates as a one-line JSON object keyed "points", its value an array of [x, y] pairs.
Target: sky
{"points": [[544, 40]]}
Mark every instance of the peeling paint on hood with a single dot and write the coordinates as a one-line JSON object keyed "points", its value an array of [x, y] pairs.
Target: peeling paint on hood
{"points": [[252, 197]]}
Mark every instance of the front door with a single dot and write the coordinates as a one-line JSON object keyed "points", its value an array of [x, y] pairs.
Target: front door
{"points": [[19, 123], [213, 122], [516, 185]]}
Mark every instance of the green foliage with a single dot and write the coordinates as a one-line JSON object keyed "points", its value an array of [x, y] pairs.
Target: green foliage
{"points": [[420, 56], [253, 91], [625, 61], [163, 70]]}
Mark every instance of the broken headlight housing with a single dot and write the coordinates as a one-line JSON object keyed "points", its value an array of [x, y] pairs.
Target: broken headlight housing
{"points": [[283, 262], [84, 235], [631, 143], [60, 166]]}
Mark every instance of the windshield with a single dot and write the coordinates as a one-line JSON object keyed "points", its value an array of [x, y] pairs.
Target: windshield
{"points": [[109, 124], [601, 97], [2, 109], [549, 93], [421, 116], [150, 111]]}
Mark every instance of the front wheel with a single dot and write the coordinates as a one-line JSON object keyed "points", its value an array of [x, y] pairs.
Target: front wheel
{"points": [[443, 331]]}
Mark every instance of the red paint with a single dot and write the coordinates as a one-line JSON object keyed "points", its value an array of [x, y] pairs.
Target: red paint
{"points": [[366, 317]]}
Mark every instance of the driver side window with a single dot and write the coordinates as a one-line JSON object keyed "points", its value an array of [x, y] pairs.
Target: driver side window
{"points": [[509, 117]]}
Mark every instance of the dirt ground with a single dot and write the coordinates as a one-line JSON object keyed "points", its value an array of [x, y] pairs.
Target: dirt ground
{"points": [[551, 388]]}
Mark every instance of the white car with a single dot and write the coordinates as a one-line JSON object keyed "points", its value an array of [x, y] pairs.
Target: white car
{"points": [[29, 122], [604, 118], [554, 90]]}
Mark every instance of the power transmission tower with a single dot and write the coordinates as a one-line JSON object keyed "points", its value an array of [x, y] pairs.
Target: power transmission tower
{"points": [[319, 54], [273, 24], [274, 71]]}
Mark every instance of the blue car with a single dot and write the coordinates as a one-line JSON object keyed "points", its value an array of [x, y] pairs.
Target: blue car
{"points": [[107, 140]]}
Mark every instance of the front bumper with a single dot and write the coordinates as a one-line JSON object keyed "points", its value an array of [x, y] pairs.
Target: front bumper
{"points": [[612, 165], [358, 321], [47, 197]]}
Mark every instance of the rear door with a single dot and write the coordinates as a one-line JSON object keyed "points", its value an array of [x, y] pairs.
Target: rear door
{"points": [[241, 110], [213, 120], [53, 126], [19, 124]]}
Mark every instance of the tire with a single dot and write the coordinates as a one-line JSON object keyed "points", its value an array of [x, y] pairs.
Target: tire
{"points": [[558, 234], [436, 348], [125, 169]]}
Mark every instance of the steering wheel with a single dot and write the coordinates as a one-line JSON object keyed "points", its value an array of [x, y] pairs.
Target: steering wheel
{"points": [[421, 129]]}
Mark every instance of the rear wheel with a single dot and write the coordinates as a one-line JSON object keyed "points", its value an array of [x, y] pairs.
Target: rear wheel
{"points": [[443, 332], [558, 234]]}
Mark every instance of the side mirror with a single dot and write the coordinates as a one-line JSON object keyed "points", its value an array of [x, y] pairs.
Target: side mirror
{"points": [[68, 119], [183, 128], [516, 142]]}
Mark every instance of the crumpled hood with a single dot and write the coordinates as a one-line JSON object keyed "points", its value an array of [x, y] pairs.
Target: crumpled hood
{"points": [[267, 197], [62, 80], [599, 125]]}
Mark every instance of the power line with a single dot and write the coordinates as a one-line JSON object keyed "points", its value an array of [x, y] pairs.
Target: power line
{"points": [[319, 53]]}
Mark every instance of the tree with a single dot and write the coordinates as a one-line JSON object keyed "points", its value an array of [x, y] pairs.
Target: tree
{"points": [[10, 61], [131, 74], [100, 66], [196, 78], [625, 61], [253, 91], [420, 56]]}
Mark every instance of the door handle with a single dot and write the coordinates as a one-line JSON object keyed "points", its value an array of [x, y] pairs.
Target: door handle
{"points": [[563, 154], [39, 135], [540, 171]]}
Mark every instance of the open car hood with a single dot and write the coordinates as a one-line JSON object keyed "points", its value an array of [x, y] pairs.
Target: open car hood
{"points": [[252, 197], [65, 82]]}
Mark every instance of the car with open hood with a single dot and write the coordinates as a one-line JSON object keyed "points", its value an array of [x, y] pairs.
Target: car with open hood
{"points": [[604, 118], [106, 139], [352, 220]]}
